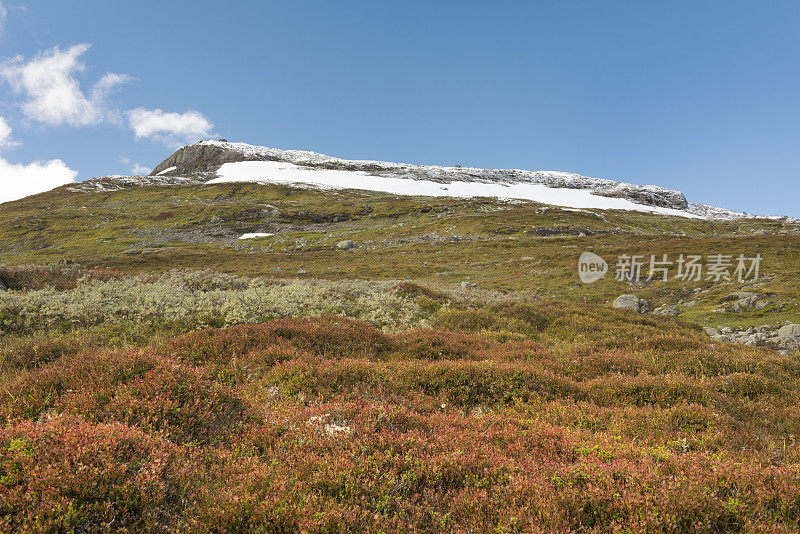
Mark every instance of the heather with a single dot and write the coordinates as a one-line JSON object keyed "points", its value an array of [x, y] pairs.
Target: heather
{"points": [[483, 416]]}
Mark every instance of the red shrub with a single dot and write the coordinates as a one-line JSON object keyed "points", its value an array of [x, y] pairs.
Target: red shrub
{"points": [[180, 402], [329, 336], [67, 475]]}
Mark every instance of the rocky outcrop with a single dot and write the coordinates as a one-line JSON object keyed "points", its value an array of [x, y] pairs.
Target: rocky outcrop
{"points": [[198, 160], [748, 300], [648, 195], [116, 183], [784, 339]]}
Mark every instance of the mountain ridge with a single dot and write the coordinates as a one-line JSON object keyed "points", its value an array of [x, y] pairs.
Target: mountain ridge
{"points": [[204, 160]]}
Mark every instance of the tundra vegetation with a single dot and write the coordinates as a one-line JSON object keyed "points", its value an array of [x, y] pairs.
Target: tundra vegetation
{"points": [[157, 383]]}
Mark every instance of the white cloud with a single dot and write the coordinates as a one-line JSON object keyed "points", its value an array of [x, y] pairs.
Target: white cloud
{"points": [[20, 180], [5, 133], [52, 93], [172, 129], [140, 170], [3, 14]]}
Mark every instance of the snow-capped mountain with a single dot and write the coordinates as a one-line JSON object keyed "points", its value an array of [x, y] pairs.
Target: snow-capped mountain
{"points": [[221, 161]]}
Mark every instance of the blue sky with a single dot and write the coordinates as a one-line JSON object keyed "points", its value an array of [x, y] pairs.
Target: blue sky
{"points": [[696, 96]]}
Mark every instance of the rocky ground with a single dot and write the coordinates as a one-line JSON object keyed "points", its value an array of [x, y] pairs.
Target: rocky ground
{"points": [[783, 339]]}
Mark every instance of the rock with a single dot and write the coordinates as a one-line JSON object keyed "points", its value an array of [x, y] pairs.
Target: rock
{"points": [[199, 158], [710, 331], [744, 303], [3, 286], [749, 301], [468, 285], [667, 310], [761, 304], [631, 302], [347, 244], [789, 333], [541, 211], [652, 197], [782, 341]]}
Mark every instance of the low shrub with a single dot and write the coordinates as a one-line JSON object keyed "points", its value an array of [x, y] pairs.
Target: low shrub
{"points": [[178, 402], [188, 300], [541, 419], [66, 475], [327, 337]]}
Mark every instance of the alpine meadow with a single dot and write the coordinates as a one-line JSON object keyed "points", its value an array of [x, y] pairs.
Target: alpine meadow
{"points": [[240, 338]]}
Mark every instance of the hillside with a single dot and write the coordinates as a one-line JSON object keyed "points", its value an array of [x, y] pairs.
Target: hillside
{"points": [[134, 225], [189, 352]]}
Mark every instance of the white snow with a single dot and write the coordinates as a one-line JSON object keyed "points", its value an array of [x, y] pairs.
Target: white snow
{"points": [[254, 235], [166, 170], [282, 172]]}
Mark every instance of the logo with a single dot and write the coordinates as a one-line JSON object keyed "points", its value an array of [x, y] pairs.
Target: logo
{"points": [[591, 267]]}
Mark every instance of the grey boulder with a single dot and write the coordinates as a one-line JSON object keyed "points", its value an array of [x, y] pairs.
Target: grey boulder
{"points": [[790, 332], [631, 302]]}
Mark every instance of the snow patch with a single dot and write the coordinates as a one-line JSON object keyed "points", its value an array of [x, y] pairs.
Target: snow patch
{"points": [[283, 172], [166, 170], [253, 235]]}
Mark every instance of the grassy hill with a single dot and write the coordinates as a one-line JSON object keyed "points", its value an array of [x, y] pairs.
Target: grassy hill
{"points": [[450, 373], [440, 242]]}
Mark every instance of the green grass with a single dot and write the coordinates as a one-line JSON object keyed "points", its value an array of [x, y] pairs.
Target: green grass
{"points": [[439, 242]]}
